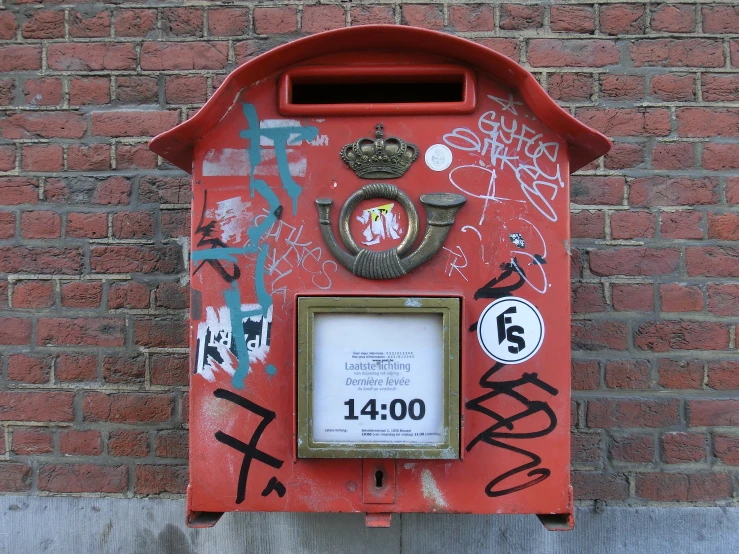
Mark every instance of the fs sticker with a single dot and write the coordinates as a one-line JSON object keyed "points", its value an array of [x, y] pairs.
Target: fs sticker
{"points": [[510, 330]]}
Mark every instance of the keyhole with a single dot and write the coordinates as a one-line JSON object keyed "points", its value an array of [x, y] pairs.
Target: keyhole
{"points": [[378, 478]]}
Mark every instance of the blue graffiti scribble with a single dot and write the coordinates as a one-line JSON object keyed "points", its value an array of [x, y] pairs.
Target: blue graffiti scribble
{"points": [[281, 137]]}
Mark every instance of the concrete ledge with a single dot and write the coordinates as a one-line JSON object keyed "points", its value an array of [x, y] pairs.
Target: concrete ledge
{"points": [[152, 526]]}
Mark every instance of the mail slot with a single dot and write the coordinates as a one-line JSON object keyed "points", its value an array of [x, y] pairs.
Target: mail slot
{"points": [[379, 271]]}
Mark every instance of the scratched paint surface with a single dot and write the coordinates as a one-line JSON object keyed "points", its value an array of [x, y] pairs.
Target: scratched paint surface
{"points": [[256, 244]]}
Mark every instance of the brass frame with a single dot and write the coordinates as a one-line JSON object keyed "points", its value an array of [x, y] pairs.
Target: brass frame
{"points": [[448, 307]]}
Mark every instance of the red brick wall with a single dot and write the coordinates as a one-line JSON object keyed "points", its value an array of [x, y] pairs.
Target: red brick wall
{"points": [[93, 229]]}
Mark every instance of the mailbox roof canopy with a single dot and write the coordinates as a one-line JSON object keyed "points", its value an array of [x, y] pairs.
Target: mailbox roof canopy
{"points": [[584, 144]]}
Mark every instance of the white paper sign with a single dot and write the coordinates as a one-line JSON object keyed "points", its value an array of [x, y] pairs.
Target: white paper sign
{"points": [[378, 378]]}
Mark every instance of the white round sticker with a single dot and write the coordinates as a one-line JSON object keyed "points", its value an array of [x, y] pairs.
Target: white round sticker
{"points": [[438, 157], [510, 330]]}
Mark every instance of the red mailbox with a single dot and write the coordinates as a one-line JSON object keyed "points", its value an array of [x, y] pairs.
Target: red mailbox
{"points": [[380, 281]]}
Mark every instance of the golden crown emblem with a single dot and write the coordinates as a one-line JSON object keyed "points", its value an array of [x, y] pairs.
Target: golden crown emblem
{"points": [[379, 158]]}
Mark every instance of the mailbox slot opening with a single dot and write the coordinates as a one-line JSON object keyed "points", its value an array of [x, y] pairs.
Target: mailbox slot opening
{"points": [[375, 90]]}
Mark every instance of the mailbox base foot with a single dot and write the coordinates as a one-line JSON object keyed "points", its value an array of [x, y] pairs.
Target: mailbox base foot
{"points": [[201, 520], [378, 520], [557, 522]]}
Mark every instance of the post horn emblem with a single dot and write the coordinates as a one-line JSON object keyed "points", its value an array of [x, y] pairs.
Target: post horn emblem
{"points": [[441, 209], [379, 158]]}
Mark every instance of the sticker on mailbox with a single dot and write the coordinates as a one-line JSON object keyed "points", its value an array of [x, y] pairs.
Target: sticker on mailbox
{"points": [[510, 330]]}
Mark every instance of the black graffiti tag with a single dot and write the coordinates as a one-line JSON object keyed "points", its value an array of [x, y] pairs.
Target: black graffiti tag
{"points": [[505, 427], [250, 450], [205, 231]]}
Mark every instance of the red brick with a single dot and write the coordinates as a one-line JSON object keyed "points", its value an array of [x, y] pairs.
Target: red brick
{"points": [[638, 298], [165, 190], [132, 123], [136, 259], [161, 332], [76, 367], [668, 52], [726, 448], [680, 374], [82, 294], [128, 370], [33, 294], [622, 19], [681, 298], [661, 336], [681, 225], [16, 57], [7, 157], [185, 407], [673, 155], [248, 49], [732, 190], [133, 225], [474, 17], [30, 125], [25, 368], [80, 332], [175, 223], [598, 335], [182, 22], [135, 156], [632, 413], [720, 87], [427, 16], [42, 157], [135, 23], [44, 24], [588, 224], [680, 191], [36, 406], [93, 157], [628, 374], [32, 442], [723, 375], [82, 478], [18, 190], [171, 444], [173, 296], [229, 22], [673, 87], [19, 259], [41, 225], [572, 53], [156, 479], [627, 122], [713, 413], [85, 91], [8, 26], [269, 21], [723, 226], [722, 299], [632, 449], [587, 298], [673, 18], [128, 295], [7, 225], [15, 477], [186, 89], [720, 19], [323, 18], [624, 155], [88, 56], [570, 87], [585, 447], [708, 122], [712, 261], [159, 56], [634, 261], [587, 190], [720, 157], [127, 407], [682, 487], [599, 486], [87, 225], [519, 17], [169, 369], [80, 443], [506, 46], [130, 444], [137, 90], [572, 19], [46, 91], [585, 375], [89, 24]]}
